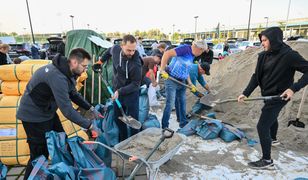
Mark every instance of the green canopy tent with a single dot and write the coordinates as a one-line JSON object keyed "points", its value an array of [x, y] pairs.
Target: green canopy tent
{"points": [[93, 43]]}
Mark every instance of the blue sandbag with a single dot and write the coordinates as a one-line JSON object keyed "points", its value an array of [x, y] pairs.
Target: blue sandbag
{"points": [[151, 121], [144, 106], [3, 171], [190, 128], [209, 129], [230, 133]]}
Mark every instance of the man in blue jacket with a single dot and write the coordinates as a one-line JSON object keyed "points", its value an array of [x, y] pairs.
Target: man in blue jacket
{"points": [[274, 75], [52, 87], [127, 77]]}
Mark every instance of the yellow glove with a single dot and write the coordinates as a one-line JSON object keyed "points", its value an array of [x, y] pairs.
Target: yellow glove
{"points": [[193, 88], [164, 75]]}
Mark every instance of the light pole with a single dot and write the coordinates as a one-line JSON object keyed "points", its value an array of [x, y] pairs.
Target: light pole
{"points": [[72, 18], [266, 22], [23, 36], [196, 17], [173, 33], [248, 30], [30, 22], [223, 31], [285, 28]]}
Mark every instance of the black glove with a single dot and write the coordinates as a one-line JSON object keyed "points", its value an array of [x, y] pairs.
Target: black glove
{"points": [[95, 113]]}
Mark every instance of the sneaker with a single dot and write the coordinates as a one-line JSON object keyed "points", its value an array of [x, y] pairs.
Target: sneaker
{"points": [[275, 142], [261, 164]]}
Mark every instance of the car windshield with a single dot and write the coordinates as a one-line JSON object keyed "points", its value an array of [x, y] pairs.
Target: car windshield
{"points": [[244, 44]]}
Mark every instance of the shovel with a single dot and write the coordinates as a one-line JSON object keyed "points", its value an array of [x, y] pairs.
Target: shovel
{"points": [[130, 121], [183, 84], [296, 122], [208, 101]]}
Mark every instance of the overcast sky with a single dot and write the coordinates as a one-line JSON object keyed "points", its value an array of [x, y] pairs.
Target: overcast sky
{"points": [[130, 15]]}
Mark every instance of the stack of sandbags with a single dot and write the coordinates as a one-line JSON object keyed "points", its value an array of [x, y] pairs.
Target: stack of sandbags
{"points": [[13, 146]]}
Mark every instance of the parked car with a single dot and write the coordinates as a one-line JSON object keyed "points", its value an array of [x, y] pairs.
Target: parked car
{"points": [[147, 45], [248, 44], [53, 46], [236, 40], [16, 50], [117, 41], [188, 41], [218, 50], [210, 44]]}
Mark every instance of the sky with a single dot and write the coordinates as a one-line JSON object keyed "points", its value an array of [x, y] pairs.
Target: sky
{"points": [[53, 16]]}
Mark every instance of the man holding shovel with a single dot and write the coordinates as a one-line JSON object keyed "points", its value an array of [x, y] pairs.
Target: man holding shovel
{"points": [[274, 74], [127, 66], [182, 60]]}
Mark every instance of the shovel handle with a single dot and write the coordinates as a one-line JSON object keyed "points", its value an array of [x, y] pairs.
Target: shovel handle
{"points": [[167, 135], [183, 84], [116, 100], [251, 99]]}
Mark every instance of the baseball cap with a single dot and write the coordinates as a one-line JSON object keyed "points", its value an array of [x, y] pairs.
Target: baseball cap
{"points": [[200, 44], [206, 67], [157, 53]]}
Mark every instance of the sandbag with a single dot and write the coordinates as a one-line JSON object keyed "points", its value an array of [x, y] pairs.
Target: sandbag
{"points": [[13, 146], [151, 121], [13, 88], [36, 61], [15, 72], [209, 129], [230, 133], [190, 128], [143, 104], [152, 95]]}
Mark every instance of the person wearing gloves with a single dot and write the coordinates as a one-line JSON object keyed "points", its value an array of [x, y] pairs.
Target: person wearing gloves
{"points": [[52, 87], [274, 74], [127, 77], [179, 68]]}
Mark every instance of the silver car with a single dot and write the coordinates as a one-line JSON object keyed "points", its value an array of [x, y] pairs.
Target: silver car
{"points": [[218, 50]]}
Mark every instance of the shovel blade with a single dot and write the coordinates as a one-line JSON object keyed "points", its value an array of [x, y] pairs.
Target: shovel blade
{"points": [[208, 100], [130, 121], [296, 123]]}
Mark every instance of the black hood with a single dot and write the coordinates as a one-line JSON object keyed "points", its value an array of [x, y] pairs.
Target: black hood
{"points": [[61, 63], [275, 36]]}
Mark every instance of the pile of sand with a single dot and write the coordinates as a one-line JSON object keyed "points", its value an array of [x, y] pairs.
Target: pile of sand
{"points": [[142, 144], [228, 79]]}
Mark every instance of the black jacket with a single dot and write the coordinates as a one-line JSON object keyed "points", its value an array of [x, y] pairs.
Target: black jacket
{"points": [[52, 87], [3, 59], [205, 57], [276, 68], [126, 72]]}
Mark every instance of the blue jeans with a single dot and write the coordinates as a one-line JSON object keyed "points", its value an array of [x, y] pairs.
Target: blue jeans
{"points": [[174, 92]]}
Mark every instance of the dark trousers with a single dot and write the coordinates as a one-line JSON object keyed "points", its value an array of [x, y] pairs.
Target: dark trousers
{"points": [[36, 139], [268, 125], [130, 104]]}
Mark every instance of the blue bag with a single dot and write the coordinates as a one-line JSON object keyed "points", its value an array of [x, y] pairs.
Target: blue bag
{"points": [[152, 121], [90, 165], [190, 128], [209, 129], [56, 144], [64, 171], [230, 133], [40, 170], [3, 171], [144, 106], [109, 127]]}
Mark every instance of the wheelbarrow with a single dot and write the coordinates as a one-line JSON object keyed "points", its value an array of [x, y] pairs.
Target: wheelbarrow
{"points": [[152, 165]]}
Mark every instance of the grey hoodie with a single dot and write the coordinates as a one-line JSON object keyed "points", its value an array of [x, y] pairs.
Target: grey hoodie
{"points": [[52, 87]]}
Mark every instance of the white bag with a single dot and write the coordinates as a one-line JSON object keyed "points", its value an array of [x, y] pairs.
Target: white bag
{"points": [[152, 95]]}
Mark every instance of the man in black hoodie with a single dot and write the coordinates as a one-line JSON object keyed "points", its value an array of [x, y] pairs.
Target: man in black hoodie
{"points": [[52, 87], [126, 81], [274, 74]]}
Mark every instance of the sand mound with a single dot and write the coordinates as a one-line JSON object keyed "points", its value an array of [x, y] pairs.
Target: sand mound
{"points": [[229, 78]]}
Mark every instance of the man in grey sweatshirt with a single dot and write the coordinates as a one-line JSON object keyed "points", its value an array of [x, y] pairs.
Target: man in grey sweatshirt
{"points": [[52, 87]]}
